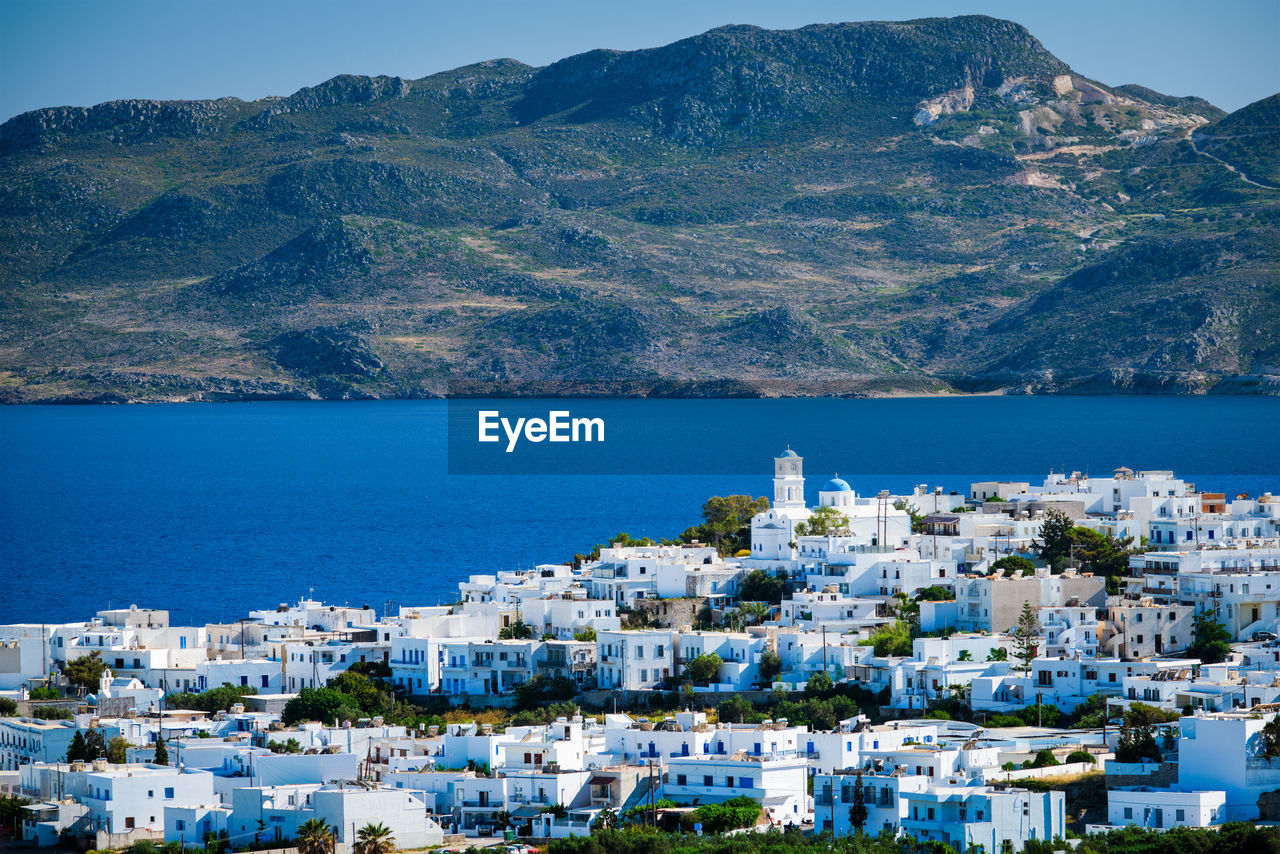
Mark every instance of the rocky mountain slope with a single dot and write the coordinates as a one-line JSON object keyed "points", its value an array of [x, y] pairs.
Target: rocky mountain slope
{"points": [[842, 209]]}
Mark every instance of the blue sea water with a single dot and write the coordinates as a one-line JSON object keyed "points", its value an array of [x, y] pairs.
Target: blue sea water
{"points": [[210, 510]]}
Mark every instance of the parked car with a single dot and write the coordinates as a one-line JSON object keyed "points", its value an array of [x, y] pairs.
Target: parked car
{"points": [[1264, 636]]}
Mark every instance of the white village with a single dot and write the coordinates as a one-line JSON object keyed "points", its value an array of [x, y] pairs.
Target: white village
{"points": [[1016, 662]]}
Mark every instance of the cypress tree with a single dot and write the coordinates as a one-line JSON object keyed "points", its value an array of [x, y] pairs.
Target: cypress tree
{"points": [[162, 753], [95, 746], [77, 749], [1024, 639], [858, 812]]}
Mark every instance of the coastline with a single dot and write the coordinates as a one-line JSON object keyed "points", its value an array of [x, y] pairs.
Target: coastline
{"points": [[159, 389]]}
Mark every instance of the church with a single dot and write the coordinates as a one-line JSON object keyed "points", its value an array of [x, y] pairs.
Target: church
{"points": [[872, 521]]}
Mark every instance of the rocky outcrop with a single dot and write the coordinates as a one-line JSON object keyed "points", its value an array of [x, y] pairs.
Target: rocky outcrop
{"points": [[119, 121], [325, 351], [310, 262], [337, 91], [740, 77]]}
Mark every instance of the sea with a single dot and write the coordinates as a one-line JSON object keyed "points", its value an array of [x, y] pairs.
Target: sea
{"points": [[213, 510]]}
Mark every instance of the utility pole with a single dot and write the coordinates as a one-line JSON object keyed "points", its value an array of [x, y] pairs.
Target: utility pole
{"points": [[824, 649]]}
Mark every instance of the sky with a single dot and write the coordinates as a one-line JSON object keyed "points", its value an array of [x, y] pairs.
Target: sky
{"points": [[83, 52]]}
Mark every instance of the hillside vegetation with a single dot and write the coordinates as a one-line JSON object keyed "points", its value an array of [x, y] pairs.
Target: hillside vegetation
{"points": [[870, 208]]}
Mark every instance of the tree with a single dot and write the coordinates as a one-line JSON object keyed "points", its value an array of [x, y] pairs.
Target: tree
{"points": [[824, 521], [858, 811], [539, 691], [375, 839], [917, 518], [1045, 759], [735, 710], [719, 818], [1210, 640], [1014, 563], [516, 631], [8, 707], [1054, 542], [1137, 744], [12, 812], [95, 745], [86, 671], [77, 748], [819, 683], [587, 634], [162, 753], [702, 669], [1091, 713], [964, 655], [936, 593], [754, 612], [1024, 638], [760, 586], [727, 522], [1099, 553], [1271, 738], [219, 699], [372, 669], [998, 653], [314, 836], [1140, 714], [606, 819], [118, 751], [325, 705], [891, 639], [770, 667]]}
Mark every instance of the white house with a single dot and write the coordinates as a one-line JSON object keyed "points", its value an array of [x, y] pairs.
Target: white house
{"points": [[345, 808], [1164, 808], [779, 784], [636, 660], [1222, 751], [963, 816]]}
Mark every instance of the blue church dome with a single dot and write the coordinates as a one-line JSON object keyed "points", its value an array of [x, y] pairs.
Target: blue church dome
{"points": [[837, 485], [788, 453]]}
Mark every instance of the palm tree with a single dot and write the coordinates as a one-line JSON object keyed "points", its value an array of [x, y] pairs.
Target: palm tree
{"points": [[375, 839], [314, 836], [757, 612]]}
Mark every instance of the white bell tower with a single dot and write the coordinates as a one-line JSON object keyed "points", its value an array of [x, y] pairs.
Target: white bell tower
{"points": [[788, 480]]}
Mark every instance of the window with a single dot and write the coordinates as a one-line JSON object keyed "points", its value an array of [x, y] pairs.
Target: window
{"points": [[1128, 812], [706, 780], [1180, 815], [728, 781], [244, 680], [182, 825], [168, 792], [682, 779]]}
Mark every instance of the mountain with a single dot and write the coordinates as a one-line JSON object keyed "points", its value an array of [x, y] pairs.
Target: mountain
{"points": [[870, 208]]}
